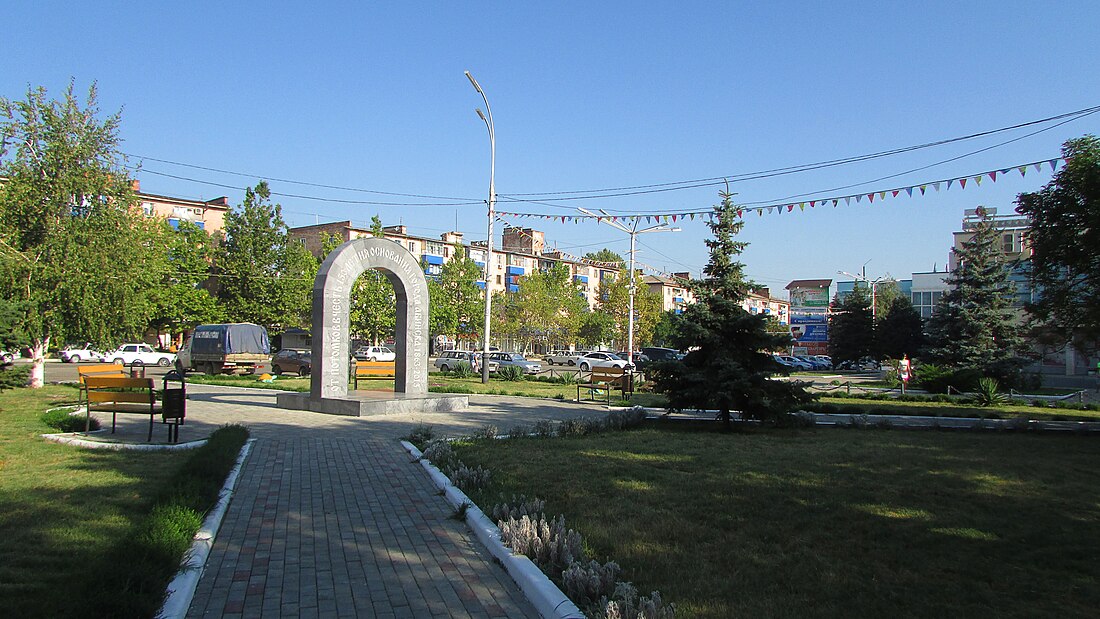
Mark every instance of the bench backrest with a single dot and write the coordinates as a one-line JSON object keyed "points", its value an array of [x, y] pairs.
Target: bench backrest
{"points": [[85, 372], [105, 389], [375, 368], [606, 373]]}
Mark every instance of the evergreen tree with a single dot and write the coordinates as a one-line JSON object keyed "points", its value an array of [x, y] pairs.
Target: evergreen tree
{"points": [[974, 325], [79, 257], [852, 327], [1064, 235], [900, 331], [263, 276], [728, 366]]}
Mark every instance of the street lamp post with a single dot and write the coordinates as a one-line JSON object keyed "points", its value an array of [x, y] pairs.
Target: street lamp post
{"points": [[489, 244], [633, 231], [871, 283]]}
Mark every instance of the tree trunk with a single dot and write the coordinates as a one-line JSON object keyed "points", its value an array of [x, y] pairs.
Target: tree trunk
{"points": [[37, 377], [724, 415]]}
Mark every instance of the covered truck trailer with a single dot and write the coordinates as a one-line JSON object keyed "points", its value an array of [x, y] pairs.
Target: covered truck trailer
{"points": [[238, 348]]}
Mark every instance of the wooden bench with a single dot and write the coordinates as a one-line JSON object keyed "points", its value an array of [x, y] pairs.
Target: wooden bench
{"points": [[119, 394], [114, 370], [374, 370], [607, 379]]}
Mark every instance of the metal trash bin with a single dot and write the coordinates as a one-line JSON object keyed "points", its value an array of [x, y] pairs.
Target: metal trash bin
{"points": [[173, 405]]}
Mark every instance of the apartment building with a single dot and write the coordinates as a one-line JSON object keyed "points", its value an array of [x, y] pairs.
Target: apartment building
{"points": [[208, 215]]}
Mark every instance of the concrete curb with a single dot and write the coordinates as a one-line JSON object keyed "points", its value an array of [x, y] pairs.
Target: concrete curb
{"points": [[72, 439], [181, 590], [547, 599]]}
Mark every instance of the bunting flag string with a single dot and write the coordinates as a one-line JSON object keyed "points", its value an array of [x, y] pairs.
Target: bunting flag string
{"points": [[880, 195]]}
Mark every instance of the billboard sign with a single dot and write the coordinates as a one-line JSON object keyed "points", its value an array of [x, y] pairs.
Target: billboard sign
{"points": [[810, 333], [810, 297], [809, 319]]}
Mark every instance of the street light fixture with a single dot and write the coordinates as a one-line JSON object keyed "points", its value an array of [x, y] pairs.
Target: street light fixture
{"points": [[872, 283], [633, 231], [489, 244]]}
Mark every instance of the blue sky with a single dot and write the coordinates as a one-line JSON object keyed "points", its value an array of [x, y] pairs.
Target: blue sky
{"points": [[586, 96]]}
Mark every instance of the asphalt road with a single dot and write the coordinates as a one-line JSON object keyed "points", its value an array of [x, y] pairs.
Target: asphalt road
{"points": [[57, 372]]}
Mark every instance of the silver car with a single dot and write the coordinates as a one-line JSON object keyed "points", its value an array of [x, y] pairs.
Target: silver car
{"points": [[449, 359], [505, 359]]}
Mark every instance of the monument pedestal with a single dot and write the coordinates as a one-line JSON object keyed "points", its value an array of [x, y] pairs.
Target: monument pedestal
{"points": [[367, 403]]}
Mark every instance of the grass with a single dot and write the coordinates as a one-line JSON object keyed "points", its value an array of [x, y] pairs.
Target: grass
{"points": [[78, 527], [826, 523], [951, 409]]}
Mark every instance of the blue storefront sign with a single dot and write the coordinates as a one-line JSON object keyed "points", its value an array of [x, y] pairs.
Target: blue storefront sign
{"points": [[810, 332]]}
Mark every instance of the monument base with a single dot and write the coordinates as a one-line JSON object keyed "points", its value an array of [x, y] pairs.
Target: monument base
{"points": [[366, 403]]}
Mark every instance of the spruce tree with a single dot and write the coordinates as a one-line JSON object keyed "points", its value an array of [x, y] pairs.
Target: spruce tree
{"points": [[901, 331], [974, 325], [728, 367], [852, 327]]}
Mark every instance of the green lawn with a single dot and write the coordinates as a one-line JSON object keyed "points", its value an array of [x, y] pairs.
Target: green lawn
{"points": [[827, 523], [951, 409], [63, 508]]}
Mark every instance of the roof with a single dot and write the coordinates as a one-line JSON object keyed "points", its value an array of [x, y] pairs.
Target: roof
{"points": [[810, 283]]}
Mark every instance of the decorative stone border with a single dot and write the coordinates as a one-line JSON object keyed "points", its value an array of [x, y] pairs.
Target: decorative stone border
{"points": [[74, 440], [181, 590], [548, 600]]}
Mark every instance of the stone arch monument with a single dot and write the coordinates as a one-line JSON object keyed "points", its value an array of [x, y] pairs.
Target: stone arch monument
{"points": [[331, 354]]}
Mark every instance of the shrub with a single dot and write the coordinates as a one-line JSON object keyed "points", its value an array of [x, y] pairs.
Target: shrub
{"points": [[544, 428], [517, 508], [568, 378], [14, 376], [462, 370], [421, 434], [486, 432], [548, 543], [467, 479], [626, 603], [510, 373], [440, 453], [931, 377], [60, 419], [989, 393], [587, 584], [572, 427], [518, 431]]}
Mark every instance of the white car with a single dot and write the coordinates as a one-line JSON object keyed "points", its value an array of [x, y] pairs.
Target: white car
{"points": [[76, 354], [375, 353], [140, 354], [601, 360], [563, 357]]}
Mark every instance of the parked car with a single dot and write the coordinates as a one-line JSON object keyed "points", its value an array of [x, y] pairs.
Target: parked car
{"points": [[657, 353], [825, 360], [815, 363], [76, 354], [140, 354], [375, 353], [514, 359], [866, 364], [295, 360], [563, 357], [6, 357], [600, 359], [793, 363], [449, 359]]}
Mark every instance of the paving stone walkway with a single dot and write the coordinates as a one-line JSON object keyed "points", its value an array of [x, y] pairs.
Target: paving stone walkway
{"points": [[330, 518]]}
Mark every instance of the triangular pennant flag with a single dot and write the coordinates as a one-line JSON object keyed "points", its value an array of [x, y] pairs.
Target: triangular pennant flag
{"points": [[1038, 167], [962, 183], [740, 213], [1023, 170], [673, 219], [909, 190], [882, 195], [993, 176], [936, 185], [848, 200], [896, 192], [978, 179], [1053, 164], [802, 206], [858, 198], [835, 201], [760, 212], [1004, 171], [563, 221], [790, 207], [692, 215], [922, 188], [871, 197], [949, 183]]}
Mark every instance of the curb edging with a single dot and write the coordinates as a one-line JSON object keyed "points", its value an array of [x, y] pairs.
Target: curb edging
{"points": [[546, 597], [181, 590]]}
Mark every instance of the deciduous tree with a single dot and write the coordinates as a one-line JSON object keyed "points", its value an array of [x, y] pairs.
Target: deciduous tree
{"points": [[1064, 235], [264, 276], [181, 300], [76, 254]]}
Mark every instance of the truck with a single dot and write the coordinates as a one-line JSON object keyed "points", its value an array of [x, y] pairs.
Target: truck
{"points": [[236, 348]]}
